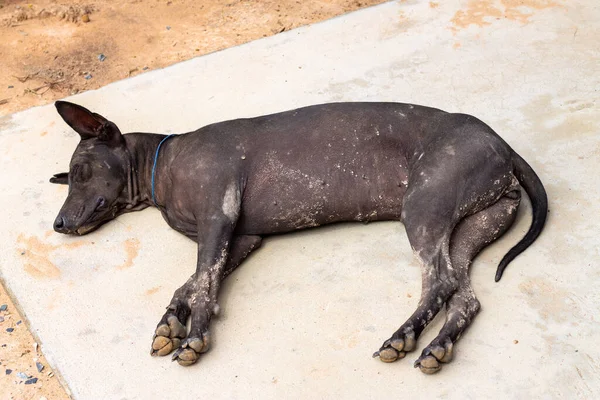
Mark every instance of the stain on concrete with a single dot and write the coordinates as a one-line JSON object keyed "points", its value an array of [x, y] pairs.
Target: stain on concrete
{"points": [[578, 105], [342, 90], [153, 290], [570, 219], [55, 300], [561, 120], [61, 189], [394, 71], [36, 255], [401, 26], [348, 340], [87, 332], [553, 303], [483, 12], [351, 340], [6, 123], [132, 249], [522, 10]]}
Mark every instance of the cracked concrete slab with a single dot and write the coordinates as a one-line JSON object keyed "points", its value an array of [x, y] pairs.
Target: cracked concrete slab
{"points": [[303, 315]]}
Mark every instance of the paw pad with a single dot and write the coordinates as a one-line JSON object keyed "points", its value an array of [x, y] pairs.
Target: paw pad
{"points": [[428, 365], [185, 357], [167, 337], [191, 348], [396, 348], [389, 355], [433, 356]]}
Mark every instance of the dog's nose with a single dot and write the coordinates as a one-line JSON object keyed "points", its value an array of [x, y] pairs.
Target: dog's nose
{"points": [[59, 224]]}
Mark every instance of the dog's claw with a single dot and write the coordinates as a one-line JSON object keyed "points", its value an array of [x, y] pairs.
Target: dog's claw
{"points": [[176, 354]]}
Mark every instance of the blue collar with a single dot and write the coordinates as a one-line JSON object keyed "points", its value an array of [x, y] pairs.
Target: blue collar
{"points": [[154, 167]]}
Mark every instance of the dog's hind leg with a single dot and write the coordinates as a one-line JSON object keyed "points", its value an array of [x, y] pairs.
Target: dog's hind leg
{"points": [[446, 183], [171, 329], [471, 235], [429, 226]]}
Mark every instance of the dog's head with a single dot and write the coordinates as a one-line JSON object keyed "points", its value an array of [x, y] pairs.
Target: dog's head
{"points": [[98, 175]]}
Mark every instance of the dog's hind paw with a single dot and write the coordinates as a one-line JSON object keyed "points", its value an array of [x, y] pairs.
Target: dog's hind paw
{"points": [[396, 347], [433, 356], [167, 336], [191, 348]]}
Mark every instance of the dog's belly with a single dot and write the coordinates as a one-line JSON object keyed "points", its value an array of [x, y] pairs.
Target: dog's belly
{"points": [[309, 216], [285, 199]]}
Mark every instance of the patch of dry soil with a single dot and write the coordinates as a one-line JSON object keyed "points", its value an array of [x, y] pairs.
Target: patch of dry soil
{"points": [[48, 51]]}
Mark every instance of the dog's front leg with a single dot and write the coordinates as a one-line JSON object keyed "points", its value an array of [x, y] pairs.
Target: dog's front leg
{"points": [[197, 298], [203, 288], [171, 329]]}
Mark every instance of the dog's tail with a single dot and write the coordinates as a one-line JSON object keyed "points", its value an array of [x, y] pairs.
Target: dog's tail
{"points": [[539, 204]]}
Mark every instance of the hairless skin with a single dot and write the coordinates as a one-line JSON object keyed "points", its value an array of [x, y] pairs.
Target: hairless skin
{"points": [[453, 182]]}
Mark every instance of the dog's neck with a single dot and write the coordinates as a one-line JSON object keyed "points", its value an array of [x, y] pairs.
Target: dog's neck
{"points": [[142, 149]]}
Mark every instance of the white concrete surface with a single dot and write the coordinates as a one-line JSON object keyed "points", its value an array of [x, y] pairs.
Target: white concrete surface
{"points": [[302, 317]]}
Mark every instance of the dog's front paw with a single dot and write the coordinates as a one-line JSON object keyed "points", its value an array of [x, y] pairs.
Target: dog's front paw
{"points": [[191, 348], [433, 356], [396, 347], [167, 336]]}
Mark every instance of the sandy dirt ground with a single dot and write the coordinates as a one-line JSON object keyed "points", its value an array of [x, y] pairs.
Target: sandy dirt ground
{"points": [[24, 372], [49, 50]]}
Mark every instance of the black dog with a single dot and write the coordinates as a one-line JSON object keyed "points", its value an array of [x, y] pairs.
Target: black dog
{"points": [[452, 181]]}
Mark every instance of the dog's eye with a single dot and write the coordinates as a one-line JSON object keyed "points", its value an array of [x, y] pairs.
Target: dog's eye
{"points": [[81, 173]]}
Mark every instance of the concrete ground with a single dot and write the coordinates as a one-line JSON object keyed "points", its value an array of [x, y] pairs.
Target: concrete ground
{"points": [[303, 315]]}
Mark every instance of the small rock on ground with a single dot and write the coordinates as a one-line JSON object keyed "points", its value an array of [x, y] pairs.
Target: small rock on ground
{"points": [[22, 375]]}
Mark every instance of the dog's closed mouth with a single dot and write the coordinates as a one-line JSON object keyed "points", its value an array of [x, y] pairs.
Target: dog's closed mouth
{"points": [[101, 214], [85, 229]]}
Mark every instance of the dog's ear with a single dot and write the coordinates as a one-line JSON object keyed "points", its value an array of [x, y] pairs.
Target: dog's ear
{"points": [[61, 179], [88, 124]]}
